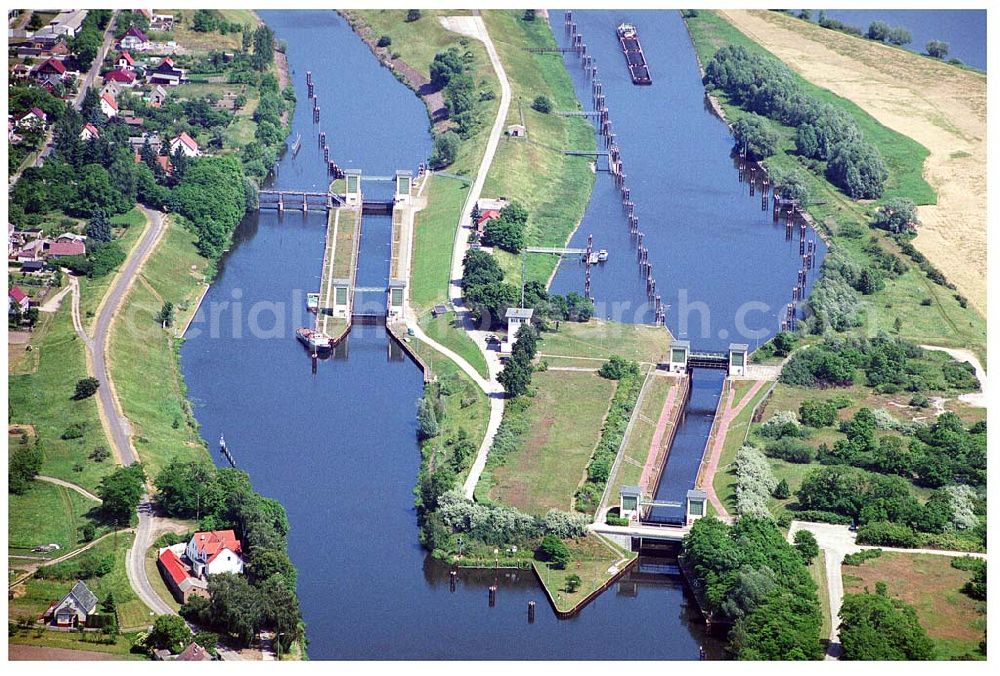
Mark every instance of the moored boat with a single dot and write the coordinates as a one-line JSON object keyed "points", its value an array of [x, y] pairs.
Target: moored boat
{"points": [[316, 341]]}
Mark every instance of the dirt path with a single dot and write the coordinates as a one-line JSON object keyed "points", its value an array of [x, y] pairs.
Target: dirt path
{"points": [[940, 106], [73, 487], [977, 399]]}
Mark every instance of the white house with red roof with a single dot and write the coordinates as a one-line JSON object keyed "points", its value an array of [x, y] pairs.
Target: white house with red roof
{"points": [[215, 551], [89, 132], [125, 61], [485, 217], [187, 145], [34, 118], [108, 105], [17, 299], [182, 583]]}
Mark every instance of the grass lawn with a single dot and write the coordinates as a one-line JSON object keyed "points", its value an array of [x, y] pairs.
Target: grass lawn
{"points": [[434, 240], [637, 446], [557, 203], [444, 330], [565, 419], [44, 399], [194, 41], [817, 570], [955, 622], [599, 339], [121, 648], [143, 358], [944, 321], [47, 513], [592, 559], [92, 291]]}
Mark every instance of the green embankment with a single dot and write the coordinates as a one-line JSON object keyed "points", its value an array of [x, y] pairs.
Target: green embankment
{"points": [[942, 321], [129, 227], [143, 357], [443, 329], [555, 188], [46, 514]]}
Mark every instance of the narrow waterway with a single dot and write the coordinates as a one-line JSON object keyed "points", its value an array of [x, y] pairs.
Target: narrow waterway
{"points": [[337, 447], [724, 269]]}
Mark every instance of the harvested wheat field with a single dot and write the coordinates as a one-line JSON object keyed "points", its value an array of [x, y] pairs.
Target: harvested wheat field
{"points": [[938, 105]]}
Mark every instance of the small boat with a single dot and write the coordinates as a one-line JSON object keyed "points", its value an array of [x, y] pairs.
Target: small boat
{"points": [[297, 144], [593, 257], [602, 255], [312, 302], [316, 341]]}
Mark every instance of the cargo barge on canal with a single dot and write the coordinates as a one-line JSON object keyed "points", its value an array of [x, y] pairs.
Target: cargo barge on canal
{"points": [[636, 60]]}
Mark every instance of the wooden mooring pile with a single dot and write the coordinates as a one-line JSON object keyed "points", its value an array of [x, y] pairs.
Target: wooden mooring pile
{"points": [[617, 169], [331, 166]]}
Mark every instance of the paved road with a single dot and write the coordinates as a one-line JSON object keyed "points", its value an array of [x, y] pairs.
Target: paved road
{"points": [[116, 424]]}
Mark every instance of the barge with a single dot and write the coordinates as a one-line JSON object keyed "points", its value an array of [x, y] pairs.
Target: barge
{"points": [[316, 341], [636, 60]]}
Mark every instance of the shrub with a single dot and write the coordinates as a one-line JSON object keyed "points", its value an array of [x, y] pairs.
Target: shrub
{"points": [[445, 149], [937, 49], [413, 15], [817, 413], [754, 482], [384, 41], [554, 550], [573, 581], [857, 558], [790, 450], [897, 215], [86, 387], [612, 520], [823, 517], [542, 104], [617, 368], [756, 136], [74, 431], [805, 543], [887, 534], [781, 424], [782, 492]]}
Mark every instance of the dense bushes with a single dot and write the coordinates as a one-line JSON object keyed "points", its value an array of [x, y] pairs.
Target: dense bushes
{"points": [[886, 534], [509, 231], [612, 433], [878, 627], [754, 482], [617, 368], [765, 86], [212, 197], [750, 575], [501, 525], [756, 136], [897, 215], [24, 462], [817, 413], [857, 558]]}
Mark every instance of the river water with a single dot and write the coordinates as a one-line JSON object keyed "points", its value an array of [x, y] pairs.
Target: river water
{"points": [[337, 447], [721, 264]]}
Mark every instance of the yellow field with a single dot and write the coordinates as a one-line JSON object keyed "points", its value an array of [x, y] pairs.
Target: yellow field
{"points": [[938, 105]]}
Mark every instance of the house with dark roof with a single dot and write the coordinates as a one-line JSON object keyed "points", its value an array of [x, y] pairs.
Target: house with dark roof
{"points": [[215, 551], [74, 609], [166, 73], [134, 39], [51, 70]]}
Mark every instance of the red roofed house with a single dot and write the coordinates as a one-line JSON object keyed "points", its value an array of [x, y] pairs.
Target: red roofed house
{"points": [[183, 585], [162, 160], [60, 249], [215, 551], [134, 39], [122, 77], [89, 132], [194, 653], [125, 61], [108, 105], [17, 299], [51, 70], [484, 216], [187, 145], [35, 117]]}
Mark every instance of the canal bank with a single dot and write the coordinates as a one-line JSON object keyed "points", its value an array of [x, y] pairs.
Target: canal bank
{"points": [[338, 448]]}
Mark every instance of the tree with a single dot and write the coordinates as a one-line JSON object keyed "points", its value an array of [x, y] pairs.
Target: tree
{"points": [[781, 491], [445, 149], [555, 551], [263, 48], [87, 533], [784, 342], [169, 632], [817, 413], [805, 543], [166, 315], [108, 605], [86, 387], [897, 215], [204, 21], [444, 66], [879, 627], [99, 229], [120, 493], [856, 167], [542, 104], [427, 423], [573, 583], [617, 368], [516, 376], [529, 15], [384, 41], [937, 49], [23, 464], [756, 136]]}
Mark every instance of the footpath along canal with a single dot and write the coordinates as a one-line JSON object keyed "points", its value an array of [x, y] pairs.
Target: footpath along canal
{"points": [[338, 448], [724, 269]]}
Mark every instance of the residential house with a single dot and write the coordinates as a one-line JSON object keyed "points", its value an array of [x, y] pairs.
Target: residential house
{"points": [[491, 203], [125, 78], [166, 74], [32, 266], [51, 71], [134, 121], [32, 251], [89, 132], [62, 249], [67, 23], [187, 145], [194, 653], [213, 552], [111, 88], [165, 164], [134, 40], [71, 237], [137, 142], [19, 71], [125, 61], [157, 96], [17, 301], [60, 49], [33, 119], [484, 217], [182, 583], [74, 609], [109, 106]]}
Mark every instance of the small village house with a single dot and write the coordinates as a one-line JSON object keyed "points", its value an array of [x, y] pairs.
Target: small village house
{"points": [[111, 88], [187, 145], [109, 106], [89, 132], [166, 74], [125, 61], [17, 301], [484, 218], [157, 96], [213, 552], [162, 23], [49, 71], [134, 40], [125, 78], [181, 582], [62, 249], [74, 609], [194, 653], [33, 119]]}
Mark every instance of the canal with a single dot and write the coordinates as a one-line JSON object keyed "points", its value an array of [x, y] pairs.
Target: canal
{"points": [[338, 448], [723, 267]]}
